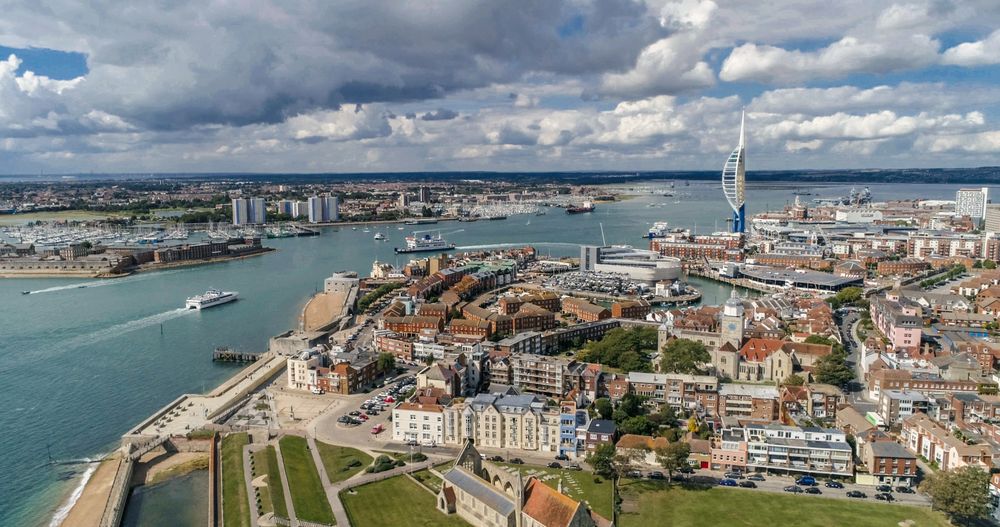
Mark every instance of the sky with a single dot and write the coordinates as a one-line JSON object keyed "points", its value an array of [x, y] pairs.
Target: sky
{"points": [[385, 85]]}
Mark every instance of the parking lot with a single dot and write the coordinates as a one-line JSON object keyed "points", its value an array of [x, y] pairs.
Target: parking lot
{"points": [[776, 483]]}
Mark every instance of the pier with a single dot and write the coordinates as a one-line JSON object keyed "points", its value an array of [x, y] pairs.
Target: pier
{"points": [[225, 354]]}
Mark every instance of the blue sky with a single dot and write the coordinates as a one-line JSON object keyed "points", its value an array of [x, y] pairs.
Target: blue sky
{"points": [[376, 85]]}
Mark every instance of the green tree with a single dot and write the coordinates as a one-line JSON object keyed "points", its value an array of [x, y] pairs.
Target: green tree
{"points": [[639, 425], [833, 369], [603, 460], [386, 362], [627, 349], [631, 405], [664, 416], [989, 264], [673, 457], [962, 494], [684, 356], [793, 380], [603, 407]]}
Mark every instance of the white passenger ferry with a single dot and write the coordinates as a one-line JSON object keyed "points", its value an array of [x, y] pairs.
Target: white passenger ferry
{"points": [[211, 298]]}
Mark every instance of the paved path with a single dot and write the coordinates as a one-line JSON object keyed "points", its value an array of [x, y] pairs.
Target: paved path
{"points": [[288, 493], [332, 494], [247, 480]]}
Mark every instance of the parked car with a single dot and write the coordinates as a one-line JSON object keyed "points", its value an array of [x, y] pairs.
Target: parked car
{"points": [[813, 490], [884, 488], [517, 461], [412, 442], [633, 474], [343, 419], [355, 413], [747, 484], [755, 477], [794, 489], [856, 494], [555, 464], [562, 457], [656, 474], [686, 470], [734, 475], [727, 482], [496, 458], [806, 481], [834, 485], [574, 466], [904, 490], [884, 496]]}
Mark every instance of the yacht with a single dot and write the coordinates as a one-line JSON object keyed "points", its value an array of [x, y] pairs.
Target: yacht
{"points": [[379, 236], [211, 298]]}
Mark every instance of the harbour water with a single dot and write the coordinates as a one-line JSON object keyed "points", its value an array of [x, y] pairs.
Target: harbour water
{"points": [[177, 502], [78, 366]]}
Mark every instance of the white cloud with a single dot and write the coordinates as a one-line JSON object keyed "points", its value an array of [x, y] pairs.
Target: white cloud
{"points": [[980, 143], [345, 124], [870, 126], [978, 53]]}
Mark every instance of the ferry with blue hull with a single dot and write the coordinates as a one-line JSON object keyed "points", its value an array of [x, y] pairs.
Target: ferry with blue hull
{"points": [[425, 243]]}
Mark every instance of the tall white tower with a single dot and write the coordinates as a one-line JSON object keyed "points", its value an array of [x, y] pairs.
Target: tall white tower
{"points": [[734, 180]]}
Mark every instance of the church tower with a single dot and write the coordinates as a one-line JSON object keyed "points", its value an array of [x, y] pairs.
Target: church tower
{"points": [[732, 321]]}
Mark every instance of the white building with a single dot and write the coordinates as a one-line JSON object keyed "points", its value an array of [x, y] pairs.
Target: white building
{"points": [[248, 211], [422, 423], [971, 202], [522, 422], [286, 206], [858, 215], [637, 264], [302, 374], [323, 209], [300, 209]]}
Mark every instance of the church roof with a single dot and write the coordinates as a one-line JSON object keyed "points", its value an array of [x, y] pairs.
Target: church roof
{"points": [[548, 506]]}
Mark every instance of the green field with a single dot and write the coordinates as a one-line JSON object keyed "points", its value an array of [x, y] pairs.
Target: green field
{"points": [[337, 461], [393, 502], [304, 484], [427, 479], [648, 504], [272, 496], [235, 505], [579, 485]]}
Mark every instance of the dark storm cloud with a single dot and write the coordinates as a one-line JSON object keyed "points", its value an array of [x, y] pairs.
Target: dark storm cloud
{"points": [[441, 114]]}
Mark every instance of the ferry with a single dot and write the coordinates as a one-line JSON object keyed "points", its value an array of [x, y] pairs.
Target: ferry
{"points": [[586, 207], [425, 243], [211, 298], [379, 236], [658, 230]]}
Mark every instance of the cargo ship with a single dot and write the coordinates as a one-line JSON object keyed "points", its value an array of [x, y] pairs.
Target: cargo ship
{"points": [[586, 207], [211, 298], [425, 243]]}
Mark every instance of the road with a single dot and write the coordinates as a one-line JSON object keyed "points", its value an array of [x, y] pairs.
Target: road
{"points": [[848, 326]]}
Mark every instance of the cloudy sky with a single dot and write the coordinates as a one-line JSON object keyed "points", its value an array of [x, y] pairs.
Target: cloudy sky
{"points": [[376, 85]]}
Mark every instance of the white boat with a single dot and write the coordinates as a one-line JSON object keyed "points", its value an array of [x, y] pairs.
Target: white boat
{"points": [[425, 243], [211, 298], [658, 230], [379, 236]]}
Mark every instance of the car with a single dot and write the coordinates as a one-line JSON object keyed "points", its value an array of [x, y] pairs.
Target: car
{"points": [[363, 417], [316, 391], [806, 481], [574, 466], [355, 413], [390, 399], [555, 464], [343, 419], [884, 496], [633, 474], [884, 488], [686, 470], [755, 477], [834, 485], [656, 474], [904, 490], [856, 494], [794, 489], [517, 461], [813, 490], [727, 482], [562, 457], [747, 484], [734, 475], [373, 412], [496, 458]]}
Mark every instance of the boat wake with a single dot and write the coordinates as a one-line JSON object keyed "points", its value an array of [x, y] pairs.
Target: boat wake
{"points": [[126, 327], [503, 245], [103, 283]]}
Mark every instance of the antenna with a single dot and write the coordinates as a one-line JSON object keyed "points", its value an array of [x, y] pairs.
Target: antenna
{"points": [[603, 240]]}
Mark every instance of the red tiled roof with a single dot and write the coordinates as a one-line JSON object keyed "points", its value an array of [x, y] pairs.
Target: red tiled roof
{"points": [[756, 350], [547, 506]]}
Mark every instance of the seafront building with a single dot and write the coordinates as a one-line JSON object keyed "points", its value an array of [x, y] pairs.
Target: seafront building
{"points": [[638, 264], [249, 211], [324, 209]]}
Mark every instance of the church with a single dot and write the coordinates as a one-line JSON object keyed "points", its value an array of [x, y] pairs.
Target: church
{"points": [[488, 495]]}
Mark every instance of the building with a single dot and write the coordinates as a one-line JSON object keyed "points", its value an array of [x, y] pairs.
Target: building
{"points": [[890, 463], [637, 309], [797, 450], [898, 318], [688, 392], [487, 495], [992, 223], [641, 447], [248, 211], [599, 432], [925, 437], [972, 202], [542, 374], [637, 264], [324, 209], [516, 422], [734, 180], [894, 405], [584, 310], [758, 402], [421, 423], [424, 195]]}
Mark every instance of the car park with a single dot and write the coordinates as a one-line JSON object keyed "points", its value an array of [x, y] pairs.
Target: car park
{"points": [[727, 482], [904, 490], [747, 484], [884, 496], [834, 485], [806, 481], [813, 490], [794, 489], [856, 494]]}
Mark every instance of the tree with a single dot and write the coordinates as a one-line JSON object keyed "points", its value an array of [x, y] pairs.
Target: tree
{"points": [[692, 424], [386, 362], [664, 416], [673, 457], [627, 349], [833, 369], [603, 460], [989, 264], [962, 494], [631, 405], [793, 380], [684, 356], [639, 425], [603, 407]]}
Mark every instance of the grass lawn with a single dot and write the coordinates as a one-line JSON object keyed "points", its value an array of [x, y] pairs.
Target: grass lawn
{"points": [[338, 459], [427, 479], [272, 496], [235, 506], [649, 503], [393, 502], [304, 484], [580, 485]]}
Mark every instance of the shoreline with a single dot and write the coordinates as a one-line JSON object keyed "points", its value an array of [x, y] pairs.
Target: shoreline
{"points": [[143, 268]]}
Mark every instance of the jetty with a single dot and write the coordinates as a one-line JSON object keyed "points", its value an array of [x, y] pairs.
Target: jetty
{"points": [[227, 354]]}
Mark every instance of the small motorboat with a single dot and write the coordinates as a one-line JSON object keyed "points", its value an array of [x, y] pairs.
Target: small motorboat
{"points": [[25, 292]]}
